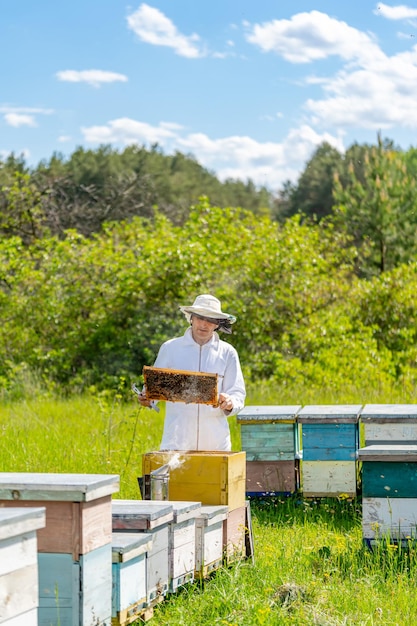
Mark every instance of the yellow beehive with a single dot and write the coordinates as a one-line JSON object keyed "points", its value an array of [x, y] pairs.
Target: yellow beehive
{"points": [[212, 478]]}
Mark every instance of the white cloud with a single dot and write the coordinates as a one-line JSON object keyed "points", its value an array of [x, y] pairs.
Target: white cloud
{"points": [[93, 77], [19, 119], [308, 37], [265, 163], [152, 26], [7, 108], [127, 131], [399, 12]]}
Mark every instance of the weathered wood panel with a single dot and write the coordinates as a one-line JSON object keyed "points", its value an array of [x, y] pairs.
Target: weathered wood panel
{"points": [[330, 442], [212, 478], [140, 514], [328, 478], [19, 581], [234, 534], [329, 414], [71, 527], [389, 518], [59, 590], [28, 618], [389, 480], [96, 591], [209, 539], [385, 432], [268, 442], [271, 477]]}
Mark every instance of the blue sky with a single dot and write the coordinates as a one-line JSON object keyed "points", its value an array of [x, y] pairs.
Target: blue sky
{"points": [[250, 89]]}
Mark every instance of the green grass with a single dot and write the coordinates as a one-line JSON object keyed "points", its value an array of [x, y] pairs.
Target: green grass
{"points": [[311, 567]]}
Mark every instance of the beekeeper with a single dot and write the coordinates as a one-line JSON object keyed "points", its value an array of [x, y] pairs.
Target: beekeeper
{"points": [[200, 349]]}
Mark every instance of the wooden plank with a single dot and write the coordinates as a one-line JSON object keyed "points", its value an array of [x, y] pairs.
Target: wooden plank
{"points": [[390, 518], [270, 477], [18, 552], [329, 413], [180, 385], [209, 539], [273, 442], [328, 478], [18, 591], [268, 414], [71, 527], [56, 487], [96, 591], [383, 432], [330, 442], [393, 480], [28, 618], [234, 532], [59, 590]]}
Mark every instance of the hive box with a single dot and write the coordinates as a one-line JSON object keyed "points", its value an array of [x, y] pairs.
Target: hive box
{"points": [[19, 585], [74, 548], [212, 478], [181, 543], [153, 519], [129, 595], [389, 492], [270, 438], [209, 539], [389, 423], [330, 441]]}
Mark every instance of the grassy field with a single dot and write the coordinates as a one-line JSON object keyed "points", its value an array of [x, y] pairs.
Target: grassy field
{"points": [[310, 568]]}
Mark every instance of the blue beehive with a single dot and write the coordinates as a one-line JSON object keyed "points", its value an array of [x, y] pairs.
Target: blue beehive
{"points": [[270, 438], [330, 441]]}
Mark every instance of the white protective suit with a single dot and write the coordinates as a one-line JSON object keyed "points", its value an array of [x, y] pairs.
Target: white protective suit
{"points": [[200, 426]]}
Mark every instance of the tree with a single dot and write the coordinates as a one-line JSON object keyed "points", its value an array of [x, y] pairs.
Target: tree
{"points": [[378, 209]]}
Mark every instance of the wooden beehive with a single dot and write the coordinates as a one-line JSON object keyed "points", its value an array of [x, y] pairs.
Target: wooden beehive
{"points": [[180, 385], [212, 478], [151, 518], [330, 441], [270, 438], [74, 545], [389, 423], [389, 492], [209, 539], [129, 595], [19, 583]]}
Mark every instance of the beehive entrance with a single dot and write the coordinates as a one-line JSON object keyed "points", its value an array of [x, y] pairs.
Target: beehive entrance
{"points": [[180, 385]]}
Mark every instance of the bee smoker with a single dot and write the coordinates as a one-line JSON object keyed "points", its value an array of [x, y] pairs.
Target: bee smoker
{"points": [[160, 483]]}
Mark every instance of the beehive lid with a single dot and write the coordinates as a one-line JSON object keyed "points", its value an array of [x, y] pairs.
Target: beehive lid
{"points": [[211, 514], [56, 487], [127, 546], [182, 509], [268, 413], [399, 413], [394, 453], [140, 514], [180, 385], [16, 521], [329, 414]]}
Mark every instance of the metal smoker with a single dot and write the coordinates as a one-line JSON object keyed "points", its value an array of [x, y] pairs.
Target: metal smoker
{"points": [[160, 483]]}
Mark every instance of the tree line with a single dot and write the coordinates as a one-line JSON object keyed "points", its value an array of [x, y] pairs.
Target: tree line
{"points": [[321, 300]]}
